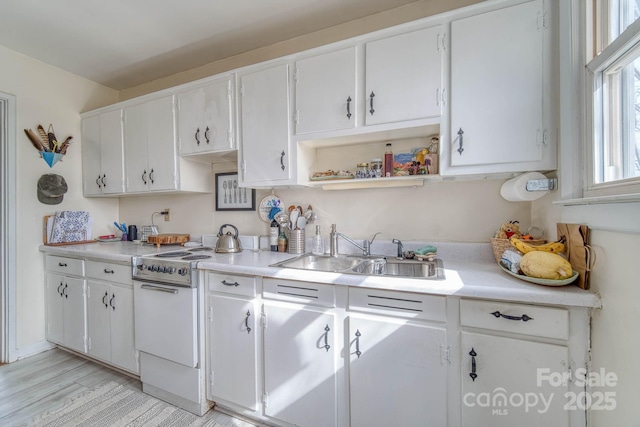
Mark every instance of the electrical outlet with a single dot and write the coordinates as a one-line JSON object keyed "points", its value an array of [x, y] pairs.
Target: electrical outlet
{"points": [[167, 214]]}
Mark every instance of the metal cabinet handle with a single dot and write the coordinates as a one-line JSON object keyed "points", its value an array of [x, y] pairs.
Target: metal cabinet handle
{"points": [[159, 289], [358, 335], [326, 337], [108, 271], [246, 322], [98, 182], [224, 282], [104, 184], [104, 299], [282, 159], [113, 297], [198, 136], [371, 103], [473, 355], [206, 134], [349, 108], [151, 176], [62, 264], [144, 177], [64, 291], [460, 141], [524, 317], [59, 291]]}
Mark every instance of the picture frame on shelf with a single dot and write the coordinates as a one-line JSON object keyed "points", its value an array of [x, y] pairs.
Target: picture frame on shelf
{"points": [[231, 197]]}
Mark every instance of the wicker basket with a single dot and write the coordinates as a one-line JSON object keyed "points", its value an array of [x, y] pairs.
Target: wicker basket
{"points": [[501, 245]]}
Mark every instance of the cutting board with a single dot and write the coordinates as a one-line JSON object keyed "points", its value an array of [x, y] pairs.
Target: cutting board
{"points": [[168, 239]]}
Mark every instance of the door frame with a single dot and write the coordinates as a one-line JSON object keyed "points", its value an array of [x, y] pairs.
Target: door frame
{"points": [[8, 251]]}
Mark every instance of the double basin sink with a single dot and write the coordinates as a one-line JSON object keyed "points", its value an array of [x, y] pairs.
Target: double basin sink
{"points": [[368, 265]]}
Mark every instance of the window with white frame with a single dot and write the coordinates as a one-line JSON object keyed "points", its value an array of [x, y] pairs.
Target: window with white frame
{"points": [[615, 107]]}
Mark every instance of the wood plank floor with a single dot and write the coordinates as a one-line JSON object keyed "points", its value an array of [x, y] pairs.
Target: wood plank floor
{"points": [[44, 382]]}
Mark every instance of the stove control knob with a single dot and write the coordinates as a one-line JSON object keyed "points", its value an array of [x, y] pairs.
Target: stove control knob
{"points": [[149, 267], [155, 268], [171, 270], [140, 266], [183, 272]]}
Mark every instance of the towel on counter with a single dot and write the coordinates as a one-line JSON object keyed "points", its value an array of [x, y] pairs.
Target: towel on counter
{"points": [[70, 226], [426, 250]]}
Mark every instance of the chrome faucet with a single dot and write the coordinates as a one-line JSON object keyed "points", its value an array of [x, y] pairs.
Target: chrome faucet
{"points": [[400, 248], [333, 242]]}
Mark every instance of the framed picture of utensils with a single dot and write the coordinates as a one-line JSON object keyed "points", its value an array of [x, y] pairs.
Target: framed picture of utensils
{"points": [[230, 196]]}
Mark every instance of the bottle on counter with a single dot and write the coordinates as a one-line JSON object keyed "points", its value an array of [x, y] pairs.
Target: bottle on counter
{"points": [[282, 242], [273, 235], [317, 245], [388, 161]]}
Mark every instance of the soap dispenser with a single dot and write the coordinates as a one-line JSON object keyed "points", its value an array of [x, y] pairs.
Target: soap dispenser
{"points": [[317, 246]]}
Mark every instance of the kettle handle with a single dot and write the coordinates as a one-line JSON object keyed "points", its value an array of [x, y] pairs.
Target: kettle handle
{"points": [[228, 225]]}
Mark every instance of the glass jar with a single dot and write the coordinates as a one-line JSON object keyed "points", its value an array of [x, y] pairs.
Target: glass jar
{"points": [[362, 170], [376, 168]]}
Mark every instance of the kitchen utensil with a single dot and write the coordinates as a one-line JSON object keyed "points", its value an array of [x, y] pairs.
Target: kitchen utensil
{"points": [[293, 217], [228, 243], [282, 219], [301, 223]]}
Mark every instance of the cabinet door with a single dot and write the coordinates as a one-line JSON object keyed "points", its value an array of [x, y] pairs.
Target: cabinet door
{"points": [[55, 308], [398, 378], [299, 371], [161, 144], [74, 314], [123, 352], [403, 77], [135, 148], [232, 351], [91, 164], [98, 320], [496, 87], [217, 117], [266, 144], [506, 371], [111, 149], [326, 92], [190, 106]]}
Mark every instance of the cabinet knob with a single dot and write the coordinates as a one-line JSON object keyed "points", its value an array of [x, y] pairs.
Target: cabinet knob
{"points": [[371, 110], [460, 141], [349, 108], [524, 317], [144, 177], [473, 355], [246, 321], [197, 136], [104, 299], [326, 337], [282, 159], [206, 134], [358, 335]]}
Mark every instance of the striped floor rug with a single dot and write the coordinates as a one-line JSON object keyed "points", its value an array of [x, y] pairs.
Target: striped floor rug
{"points": [[114, 405]]}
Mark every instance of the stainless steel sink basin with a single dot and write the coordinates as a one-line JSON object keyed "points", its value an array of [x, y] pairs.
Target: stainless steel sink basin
{"points": [[367, 265], [402, 268]]}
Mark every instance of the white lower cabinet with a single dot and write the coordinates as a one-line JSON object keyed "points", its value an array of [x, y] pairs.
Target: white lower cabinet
{"points": [[300, 353], [232, 341], [511, 358], [397, 375], [66, 308], [110, 324]]}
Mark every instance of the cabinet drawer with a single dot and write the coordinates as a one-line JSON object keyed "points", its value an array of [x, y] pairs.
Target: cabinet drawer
{"points": [[232, 284], [518, 318], [300, 292], [404, 304], [64, 265], [110, 272]]}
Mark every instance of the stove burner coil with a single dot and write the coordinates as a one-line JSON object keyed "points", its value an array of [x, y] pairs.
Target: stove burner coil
{"points": [[173, 254], [201, 249], [196, 257]]}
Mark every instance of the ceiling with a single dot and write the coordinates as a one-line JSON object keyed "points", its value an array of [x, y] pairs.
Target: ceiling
{"points": [[124, 43]]}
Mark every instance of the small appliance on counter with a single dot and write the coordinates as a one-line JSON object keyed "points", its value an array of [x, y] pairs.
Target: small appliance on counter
{"points": [[228, 243]]}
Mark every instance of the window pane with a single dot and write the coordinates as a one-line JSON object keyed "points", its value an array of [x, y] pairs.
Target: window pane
{"points": [[618, 152], [622, 13]]}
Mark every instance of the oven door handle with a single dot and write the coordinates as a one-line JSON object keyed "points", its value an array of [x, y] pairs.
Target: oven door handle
{"points": [[160, 289]]}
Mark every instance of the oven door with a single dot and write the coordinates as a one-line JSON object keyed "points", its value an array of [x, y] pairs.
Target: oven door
{"points": [[166, 321]]}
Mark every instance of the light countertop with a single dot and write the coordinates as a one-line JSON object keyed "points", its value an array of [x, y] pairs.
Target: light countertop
{"points": [[470, 271]]}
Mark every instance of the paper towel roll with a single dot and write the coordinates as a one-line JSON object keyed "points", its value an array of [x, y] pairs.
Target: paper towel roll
{"points": [[515, 190]]}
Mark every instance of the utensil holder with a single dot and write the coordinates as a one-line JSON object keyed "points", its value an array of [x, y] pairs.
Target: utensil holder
{"points": [[296, 241]]}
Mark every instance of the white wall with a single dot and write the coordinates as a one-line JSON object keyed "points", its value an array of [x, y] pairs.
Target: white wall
{"points": [[44, 95]]}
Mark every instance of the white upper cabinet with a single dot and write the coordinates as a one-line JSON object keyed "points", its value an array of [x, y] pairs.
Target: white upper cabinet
{"points": [[326, 94], [205, 118], [403, 77], [150, 149], [266, 156], [102, 158], [498, 75]]}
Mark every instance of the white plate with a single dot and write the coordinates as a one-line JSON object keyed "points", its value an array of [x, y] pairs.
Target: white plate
{"points": [[266, 204], [545, 282]]}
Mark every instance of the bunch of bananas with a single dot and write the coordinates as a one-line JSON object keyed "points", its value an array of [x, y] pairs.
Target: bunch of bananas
{"points": [[553, 247]]}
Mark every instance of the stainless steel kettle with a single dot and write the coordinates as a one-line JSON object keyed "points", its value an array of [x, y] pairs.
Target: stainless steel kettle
{"points": [[228, 243]]}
